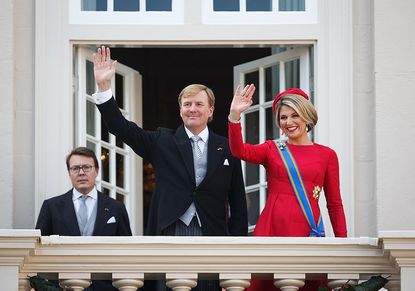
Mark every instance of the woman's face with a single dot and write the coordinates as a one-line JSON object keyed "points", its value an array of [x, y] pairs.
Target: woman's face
{"points": [[291, 124]]}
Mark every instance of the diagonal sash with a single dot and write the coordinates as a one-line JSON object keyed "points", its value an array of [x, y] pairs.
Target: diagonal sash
{"points": [[299, 189]]}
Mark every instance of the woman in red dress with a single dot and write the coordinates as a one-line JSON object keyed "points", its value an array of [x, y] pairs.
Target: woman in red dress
{"points": [[318, 165]]}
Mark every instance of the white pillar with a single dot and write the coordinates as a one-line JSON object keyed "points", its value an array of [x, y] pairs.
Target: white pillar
{"points": [[407, 278], [339, 280], [181, 282], [9, 278], [128, 282], [289, 282], [75, 284], [77, 281], [234, 282]]}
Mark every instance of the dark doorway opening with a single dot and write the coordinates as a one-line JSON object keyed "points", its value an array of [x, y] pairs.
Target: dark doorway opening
{"points": [[166, 71]]}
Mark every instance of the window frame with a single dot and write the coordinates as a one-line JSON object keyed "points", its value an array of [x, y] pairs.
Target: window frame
{"points": [[77, 16], [309, 16]]}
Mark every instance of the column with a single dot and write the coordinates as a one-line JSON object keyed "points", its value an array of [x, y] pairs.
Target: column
{"points": [[128, 281], [76, 281], [234, 282], [289, 282], [181, 282], [339, 280]]}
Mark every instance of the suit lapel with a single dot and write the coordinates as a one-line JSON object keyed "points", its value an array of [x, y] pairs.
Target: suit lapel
{"points": [[102, 212], [68, 211], [185, 149], [216, 151]]}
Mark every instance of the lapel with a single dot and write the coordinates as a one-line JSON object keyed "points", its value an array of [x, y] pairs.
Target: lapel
{"points": [[103, 211], [68, 211], [185, 148], [216, 150]]}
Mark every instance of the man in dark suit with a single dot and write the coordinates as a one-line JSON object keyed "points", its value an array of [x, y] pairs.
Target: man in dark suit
{"points": [[84, 210], [199, 185]]}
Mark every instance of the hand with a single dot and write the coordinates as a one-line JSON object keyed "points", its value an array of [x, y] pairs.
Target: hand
{"points": [[104, 68], [241, 101]]}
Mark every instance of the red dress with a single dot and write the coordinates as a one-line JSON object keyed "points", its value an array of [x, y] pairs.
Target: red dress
{"points": [[282, 215]]}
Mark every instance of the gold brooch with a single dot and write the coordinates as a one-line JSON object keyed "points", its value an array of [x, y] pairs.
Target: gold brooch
{"points": [[316, 192]]}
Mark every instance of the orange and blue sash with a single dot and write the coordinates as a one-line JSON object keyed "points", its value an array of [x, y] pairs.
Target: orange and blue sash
{"points": [[299, 190]]}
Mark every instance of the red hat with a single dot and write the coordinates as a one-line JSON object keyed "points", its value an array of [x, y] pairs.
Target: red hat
{"points": [[296, 91]]}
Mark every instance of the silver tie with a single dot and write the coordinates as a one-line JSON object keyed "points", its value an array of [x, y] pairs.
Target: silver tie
{"points": [[83, 212], [197, 155], [196, 148]]}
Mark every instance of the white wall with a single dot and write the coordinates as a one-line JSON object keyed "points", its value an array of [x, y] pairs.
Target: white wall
{"points": [[395, 121], [17, 114], [6, 113], [24, 127], [364, 142]]}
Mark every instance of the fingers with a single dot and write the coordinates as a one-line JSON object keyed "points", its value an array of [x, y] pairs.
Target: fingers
{"points": [[237, 91]]}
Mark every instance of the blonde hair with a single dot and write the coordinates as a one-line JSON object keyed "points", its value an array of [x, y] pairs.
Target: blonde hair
{"points": [[194, 89], [304, 108]]}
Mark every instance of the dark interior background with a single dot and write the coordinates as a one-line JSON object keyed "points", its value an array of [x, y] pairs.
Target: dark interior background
{"points": [[166, 71]]}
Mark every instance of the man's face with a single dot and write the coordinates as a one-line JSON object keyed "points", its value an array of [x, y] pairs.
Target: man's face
{"points": [[195, 112], [82, 180]]}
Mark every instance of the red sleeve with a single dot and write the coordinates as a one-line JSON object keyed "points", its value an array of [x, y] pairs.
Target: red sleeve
{"points": [[256, 154], [333, 197]]}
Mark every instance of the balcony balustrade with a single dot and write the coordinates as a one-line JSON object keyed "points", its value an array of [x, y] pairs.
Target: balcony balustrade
{"points": [[182, 261]]}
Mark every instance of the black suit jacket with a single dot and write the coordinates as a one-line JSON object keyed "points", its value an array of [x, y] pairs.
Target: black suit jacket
{"points": [[220, 193], [57, 216]]}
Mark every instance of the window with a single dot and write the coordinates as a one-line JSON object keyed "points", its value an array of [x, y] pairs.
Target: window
{"points": [[126, 12], [118, 166], [259, 11], [285, 69]]}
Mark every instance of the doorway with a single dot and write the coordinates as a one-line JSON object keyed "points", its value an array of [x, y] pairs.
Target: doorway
{"points": [[166, 71]]}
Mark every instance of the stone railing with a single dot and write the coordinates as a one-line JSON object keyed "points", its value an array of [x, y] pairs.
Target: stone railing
{"points": [[127, 261]]}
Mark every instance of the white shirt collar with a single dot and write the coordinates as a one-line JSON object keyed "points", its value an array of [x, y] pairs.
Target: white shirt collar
{"points": [[93, 194], [204, 134]]}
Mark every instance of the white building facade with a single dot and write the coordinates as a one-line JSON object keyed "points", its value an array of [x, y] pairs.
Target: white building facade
{"points": [[354, 57]]}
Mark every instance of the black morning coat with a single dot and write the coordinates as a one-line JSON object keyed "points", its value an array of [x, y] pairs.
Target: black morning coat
{"points": [[219, 199]]}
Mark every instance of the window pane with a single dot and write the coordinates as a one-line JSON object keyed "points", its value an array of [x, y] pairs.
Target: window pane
{"points": [[106, 191], [126, 5], [105, 136], [258, 5], [90, 145], [90, 81], [94, 5], [271, 129], [292, 74], [119, 197], [119, 90], [291, 5], [105, 164], [252, 200], [272, 82], [120, 170], [90, 118], [226, 5], [158, 5], [252, 137], [253, 78]]}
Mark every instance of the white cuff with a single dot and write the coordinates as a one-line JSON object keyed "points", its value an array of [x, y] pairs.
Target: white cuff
{"points": [[233, 120], [102, 97]]}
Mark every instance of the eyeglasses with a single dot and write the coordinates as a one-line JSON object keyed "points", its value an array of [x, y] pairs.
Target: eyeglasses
{"points": [[76, 169]]}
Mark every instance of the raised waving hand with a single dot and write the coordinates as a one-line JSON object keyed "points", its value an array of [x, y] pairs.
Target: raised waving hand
{"points": [[104, 68], [241, 101]]}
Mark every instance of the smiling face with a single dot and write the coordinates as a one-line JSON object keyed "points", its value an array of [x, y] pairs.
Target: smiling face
{"points": [[195, 111], [82, 181], [293, 126]]}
